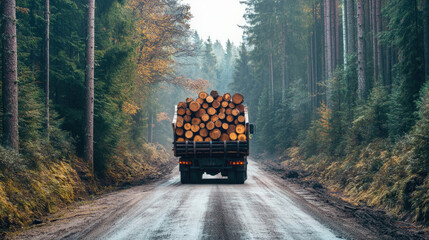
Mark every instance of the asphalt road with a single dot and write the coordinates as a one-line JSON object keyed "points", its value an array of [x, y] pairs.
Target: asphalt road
{"points": [[262, 208]]}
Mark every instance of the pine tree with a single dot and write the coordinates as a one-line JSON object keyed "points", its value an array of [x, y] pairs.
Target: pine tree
{"points": [[9, 74]]}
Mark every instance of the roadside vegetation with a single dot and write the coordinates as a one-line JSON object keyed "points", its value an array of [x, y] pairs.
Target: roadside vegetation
{"points": [[340, 89]]}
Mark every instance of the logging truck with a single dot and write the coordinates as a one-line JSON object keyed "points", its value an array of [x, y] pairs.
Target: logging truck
{"points": [[211, 135]]}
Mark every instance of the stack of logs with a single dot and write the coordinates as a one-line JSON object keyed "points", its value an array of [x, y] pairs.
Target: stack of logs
{"points": [[211, 118]]}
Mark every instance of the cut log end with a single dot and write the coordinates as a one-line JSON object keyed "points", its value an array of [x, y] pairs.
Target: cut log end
{"points": [[194, 106], [215, 134], [202, 95], [237, 98], [198, 138]]}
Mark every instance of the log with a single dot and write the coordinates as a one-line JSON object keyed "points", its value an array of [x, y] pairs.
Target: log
{"points": [[224, 137], [180, 140], [179, 119], [221, 116], [214, 94], [194, 106], [200, 113], [179, 131], [222, 110], [205, 105], [195, 128], [187, 126], [188, 112], [198, 138], [182, 105], [231, 105], [211, 111], [187, 118], [209, 99], [233, 136], [225, 126], [224, 104], [241, 137], [204, 132], [218, 124], [230, 118], [240, 107], [179, 124], [237, 98], [214, 118], [189, 134], [240, 129], [219, 99], [181, 111], [231, 129], [241, 119], [236, 122], [207, 139], [235, 112], [215, 134], [199, 100], [205, 117], [228, 111], [188, 100], [216, 104], [227, 97], [196, 121], [202, 125], [210, 125], [202, 95]]}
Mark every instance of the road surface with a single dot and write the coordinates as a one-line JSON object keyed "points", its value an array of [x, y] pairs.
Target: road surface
{"points": [[265, 207]]}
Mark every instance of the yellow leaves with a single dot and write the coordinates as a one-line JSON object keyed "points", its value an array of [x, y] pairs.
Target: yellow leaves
{"points": [[325, 115], [163, 116], [130, 108]]}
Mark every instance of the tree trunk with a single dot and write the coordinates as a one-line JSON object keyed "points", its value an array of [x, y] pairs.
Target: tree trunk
{"points": [[47, 23], [374, 40], [89, 82], [284, 63], [328, 46], [361, 49], [351, 42], [344, 19], [426, 36], [272, 75], [379, 28], [336, 35], [9, 75]]}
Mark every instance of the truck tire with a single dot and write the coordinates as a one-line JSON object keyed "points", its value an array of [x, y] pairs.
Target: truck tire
{"points": [[240, 177], [195, 176], [231, 176], [184, 177]]}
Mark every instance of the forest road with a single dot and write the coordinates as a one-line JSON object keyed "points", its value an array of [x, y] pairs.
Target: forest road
{"points": [[265, 207]]}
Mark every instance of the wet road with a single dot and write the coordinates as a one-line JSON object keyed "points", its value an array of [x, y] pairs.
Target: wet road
{"points": [[262, 208], [259, 209]]}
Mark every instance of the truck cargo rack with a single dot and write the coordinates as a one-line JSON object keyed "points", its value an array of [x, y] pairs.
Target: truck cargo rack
{"points": [[211, 149]]}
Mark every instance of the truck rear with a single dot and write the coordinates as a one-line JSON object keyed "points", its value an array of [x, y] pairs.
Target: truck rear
{"points": [[211, 135]]}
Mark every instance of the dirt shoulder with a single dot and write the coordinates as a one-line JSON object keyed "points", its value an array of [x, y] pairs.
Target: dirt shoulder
{"points": [[361, 222]]}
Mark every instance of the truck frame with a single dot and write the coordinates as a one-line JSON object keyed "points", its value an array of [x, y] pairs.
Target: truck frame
{"points": [[226, 157]]}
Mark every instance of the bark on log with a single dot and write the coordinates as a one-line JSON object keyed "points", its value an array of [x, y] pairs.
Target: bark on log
{"points": [[214, 94], [237, 98], [198, 138], [202, 95], [215, 134], [227, 97], [194, 106]]}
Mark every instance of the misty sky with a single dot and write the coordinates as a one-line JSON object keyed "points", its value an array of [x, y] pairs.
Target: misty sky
{"points": [[218, 19]]}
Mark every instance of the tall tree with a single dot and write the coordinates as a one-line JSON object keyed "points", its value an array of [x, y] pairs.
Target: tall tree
{"points": [[47, 67], [426, 36], [361, 49], [9, 74], [89, 83], [351, 20]]}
